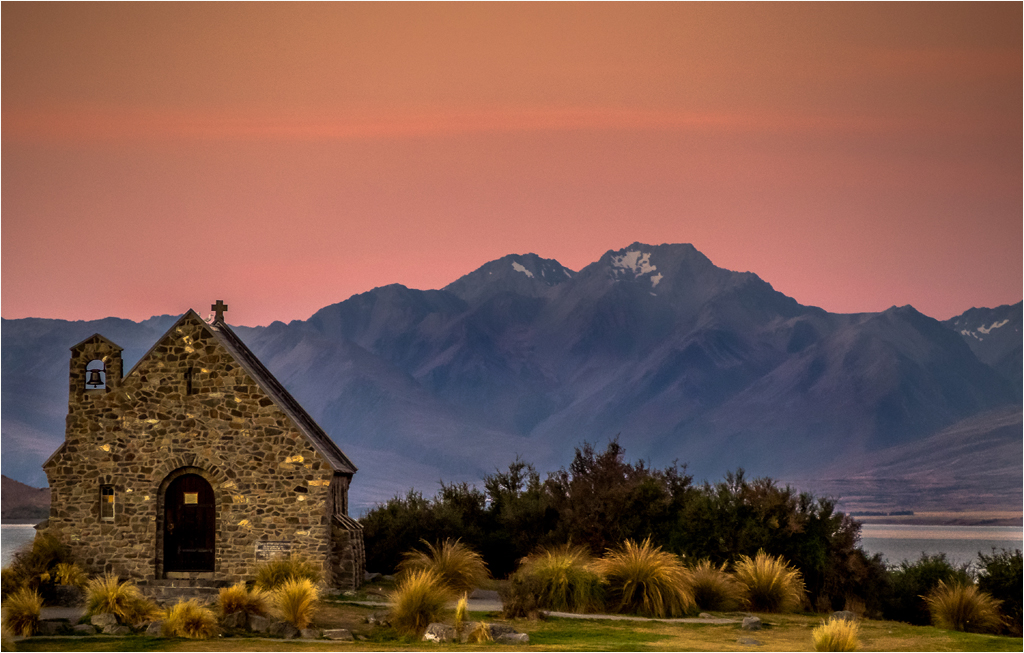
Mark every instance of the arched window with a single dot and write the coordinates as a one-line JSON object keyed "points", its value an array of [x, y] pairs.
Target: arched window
{"points": [[95, 375]]}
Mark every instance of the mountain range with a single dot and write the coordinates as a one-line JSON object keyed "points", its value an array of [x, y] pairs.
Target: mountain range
{"points": [[678, 358]]}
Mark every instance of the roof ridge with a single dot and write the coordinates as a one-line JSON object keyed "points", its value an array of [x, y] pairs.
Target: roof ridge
{"points": [[255, 367]]}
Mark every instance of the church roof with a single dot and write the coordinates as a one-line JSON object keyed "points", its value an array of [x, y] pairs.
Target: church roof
{"points": [[284, 400], [99, 338]]}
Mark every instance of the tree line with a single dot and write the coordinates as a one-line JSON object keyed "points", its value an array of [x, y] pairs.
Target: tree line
{"points": [[602, 499]]}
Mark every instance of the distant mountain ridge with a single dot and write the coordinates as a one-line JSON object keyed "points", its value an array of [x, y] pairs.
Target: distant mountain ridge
{"points": [[682, 359]]}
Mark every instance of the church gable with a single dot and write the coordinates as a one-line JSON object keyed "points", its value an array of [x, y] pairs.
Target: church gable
{"points": [[198, 419]]}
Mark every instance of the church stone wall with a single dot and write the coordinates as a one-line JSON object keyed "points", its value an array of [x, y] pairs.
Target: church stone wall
{"points": [[270, 484]]}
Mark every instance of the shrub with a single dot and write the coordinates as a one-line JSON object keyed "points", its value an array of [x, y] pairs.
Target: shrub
{"points": [[70, 574], [1001, 575], [33, 566], [641, 578], [11, 582], [769, 583], [419, 599], [713, 588], [123, 600], [564, 579], [21, 612], [272, 574], [296, 601], [191, 620], [964, 608], [836, 635], [912, 581], [458, 566], [239, 598], [520, 597]]}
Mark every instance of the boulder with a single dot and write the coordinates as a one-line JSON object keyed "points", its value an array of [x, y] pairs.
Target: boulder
{"points": [[84, 629], [379, 619], [120, 631], [283, 629], [369, 577], [50, 627], [497, 630], [155, 629], [751, 623], [705, 615], [103, 620], [235, 620], [845, 615], [513, 638], [309, 633], [440, 633], [258, 624], [338, 633]]}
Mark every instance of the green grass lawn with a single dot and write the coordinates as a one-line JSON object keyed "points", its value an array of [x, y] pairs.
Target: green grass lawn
{"points": [[783, 632]]}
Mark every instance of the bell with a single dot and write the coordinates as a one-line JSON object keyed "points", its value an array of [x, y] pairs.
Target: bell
{"points": [[94, 378]]}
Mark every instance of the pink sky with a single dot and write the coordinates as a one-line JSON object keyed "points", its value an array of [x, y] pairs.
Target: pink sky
{"points": [[283, 157]]}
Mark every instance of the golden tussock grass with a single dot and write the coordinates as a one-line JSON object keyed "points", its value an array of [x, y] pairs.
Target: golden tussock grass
{"points": [[644, 579], [458, 566]]}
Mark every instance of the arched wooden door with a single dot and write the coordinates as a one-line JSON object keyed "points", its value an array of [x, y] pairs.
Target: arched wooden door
{"points": [[190, 529]]}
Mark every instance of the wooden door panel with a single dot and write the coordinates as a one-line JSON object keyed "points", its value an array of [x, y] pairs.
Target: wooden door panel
{"points": [[189, 525]]}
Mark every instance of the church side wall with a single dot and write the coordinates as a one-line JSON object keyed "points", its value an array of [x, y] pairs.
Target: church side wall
{"points": [[269, 483]]}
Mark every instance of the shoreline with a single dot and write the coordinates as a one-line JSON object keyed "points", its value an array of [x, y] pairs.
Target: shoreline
{"points": [[949, 518]]}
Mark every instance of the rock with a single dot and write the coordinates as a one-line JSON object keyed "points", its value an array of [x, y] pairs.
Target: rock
{"points": [[845, 615], [155, 629], [309, 633], [338, 633], [439, 633], [369, 577], [379, 619], [751, 623], [283, 629], [235, 620], [50, 627], [513, 638], [746, 641], [705, 615], [117, 630], [103, 620], [84, 629], [258, 624], [349, 593], [388, 578], [497, 630]]}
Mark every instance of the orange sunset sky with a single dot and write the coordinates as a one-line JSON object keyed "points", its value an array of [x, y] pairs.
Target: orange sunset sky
{"points": [[282, 157]]}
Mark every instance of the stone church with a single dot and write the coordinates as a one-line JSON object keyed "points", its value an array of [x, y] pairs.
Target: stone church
{"points": [[195, 466]]}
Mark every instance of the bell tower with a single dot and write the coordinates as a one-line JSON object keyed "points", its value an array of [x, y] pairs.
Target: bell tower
{"points": [[95, 368]]}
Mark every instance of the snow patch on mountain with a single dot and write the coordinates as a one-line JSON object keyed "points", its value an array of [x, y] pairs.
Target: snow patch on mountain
{"points": [[636, 261], [519, 268], [995, 325], [655, 279]]}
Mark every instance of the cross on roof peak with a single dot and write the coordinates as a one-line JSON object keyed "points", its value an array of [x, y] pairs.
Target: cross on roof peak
{"points": [[220, 307]]}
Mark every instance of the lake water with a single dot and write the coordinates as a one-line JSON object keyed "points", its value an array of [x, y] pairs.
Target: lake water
{"points": [[961, 544], [12, 538], [895, 542]]}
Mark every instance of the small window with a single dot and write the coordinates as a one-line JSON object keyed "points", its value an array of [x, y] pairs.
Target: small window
{"points": [[107, 502], [188, 381]]}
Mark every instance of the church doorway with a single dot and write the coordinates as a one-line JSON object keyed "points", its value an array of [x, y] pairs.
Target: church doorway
{"points": [[190, 529]]}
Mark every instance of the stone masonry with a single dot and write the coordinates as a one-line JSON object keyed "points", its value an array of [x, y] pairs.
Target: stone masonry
{"points": [[197, 403]]}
